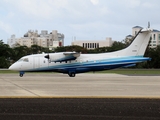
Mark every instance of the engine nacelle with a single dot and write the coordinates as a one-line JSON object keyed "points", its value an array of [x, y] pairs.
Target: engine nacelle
{"points": [[60, 57]]}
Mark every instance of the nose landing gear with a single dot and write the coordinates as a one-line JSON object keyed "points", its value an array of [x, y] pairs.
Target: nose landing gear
{"points": [[21, 73]]}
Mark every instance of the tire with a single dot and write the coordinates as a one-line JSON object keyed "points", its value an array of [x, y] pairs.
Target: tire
{"points": [[21, 75], [72, 74]]}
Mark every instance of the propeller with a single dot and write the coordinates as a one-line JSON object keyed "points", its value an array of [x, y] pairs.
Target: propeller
{"points": [[47, 56]]}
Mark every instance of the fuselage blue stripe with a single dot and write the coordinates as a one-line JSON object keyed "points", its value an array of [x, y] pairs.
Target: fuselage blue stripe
{"points": [[94, 64]]}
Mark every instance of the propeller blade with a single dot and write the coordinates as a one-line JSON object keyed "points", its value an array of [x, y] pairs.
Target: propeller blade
{"points": [[47, 56]]}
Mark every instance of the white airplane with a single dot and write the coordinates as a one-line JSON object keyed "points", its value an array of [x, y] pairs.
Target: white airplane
{"points": [[72, 63]]}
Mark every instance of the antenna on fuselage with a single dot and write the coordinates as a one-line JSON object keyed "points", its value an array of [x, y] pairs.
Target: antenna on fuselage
{"points": [[148, 24]]}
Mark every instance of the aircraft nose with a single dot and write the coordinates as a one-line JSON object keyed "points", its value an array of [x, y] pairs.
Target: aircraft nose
{"points": [[13, 67]]}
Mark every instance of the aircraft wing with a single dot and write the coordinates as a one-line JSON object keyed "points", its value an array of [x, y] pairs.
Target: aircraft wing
{"points": [[74, 54], [66, 56]]}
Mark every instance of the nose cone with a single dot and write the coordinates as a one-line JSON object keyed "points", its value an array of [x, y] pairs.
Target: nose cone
{"points": [[13, 67]]}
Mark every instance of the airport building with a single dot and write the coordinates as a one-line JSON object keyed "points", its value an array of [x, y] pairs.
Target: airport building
{"points": [[44, 39], [92, 44]]}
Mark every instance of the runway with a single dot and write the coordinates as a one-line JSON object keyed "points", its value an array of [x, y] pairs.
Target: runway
{"points": [[46, 96], [83, 85]]}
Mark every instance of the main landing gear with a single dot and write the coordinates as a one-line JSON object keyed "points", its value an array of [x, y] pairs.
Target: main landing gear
{"points": [[72, 74], [21, 74]]}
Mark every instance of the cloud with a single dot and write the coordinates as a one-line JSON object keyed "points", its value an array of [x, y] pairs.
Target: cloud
{"points": [[81, 17], [34, 8], [129, 3], [94, 2], [134, 3], [6, 27], [39, 9], [57, 10], [148, 5]]}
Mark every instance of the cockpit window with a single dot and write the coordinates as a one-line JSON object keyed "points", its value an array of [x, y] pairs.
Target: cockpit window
{"points": [[20, 60], [25, 60]]}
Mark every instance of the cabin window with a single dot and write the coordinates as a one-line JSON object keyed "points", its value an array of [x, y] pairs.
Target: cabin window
{"points": [[25, 60]]}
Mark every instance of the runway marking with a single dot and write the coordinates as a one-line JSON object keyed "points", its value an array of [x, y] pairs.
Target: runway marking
{"points": [[84, 97], [20, 87]]}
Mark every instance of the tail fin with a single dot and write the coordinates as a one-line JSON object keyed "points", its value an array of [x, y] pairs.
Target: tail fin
{"points": [[139, 44]]}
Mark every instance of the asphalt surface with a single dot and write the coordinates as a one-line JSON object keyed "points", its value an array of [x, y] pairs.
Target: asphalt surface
{"points": [[79, 109], [85, 85], [85, 97]]}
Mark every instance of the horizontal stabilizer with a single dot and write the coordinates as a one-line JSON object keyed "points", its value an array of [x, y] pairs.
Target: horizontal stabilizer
{"points": [[130, 65]]}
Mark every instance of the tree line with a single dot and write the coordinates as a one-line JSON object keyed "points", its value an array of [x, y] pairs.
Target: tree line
{"points": [[10, 55]]}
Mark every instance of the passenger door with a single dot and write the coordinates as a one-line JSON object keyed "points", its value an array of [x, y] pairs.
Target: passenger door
{"points": [[39, 62], [36, 62]]}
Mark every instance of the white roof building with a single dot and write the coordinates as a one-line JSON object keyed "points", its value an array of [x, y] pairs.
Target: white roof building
{"points": [[92, 44]]}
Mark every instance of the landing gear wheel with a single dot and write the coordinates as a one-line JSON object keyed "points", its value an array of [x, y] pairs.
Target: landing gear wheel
{"points": [[21, 75], [72, 74]]}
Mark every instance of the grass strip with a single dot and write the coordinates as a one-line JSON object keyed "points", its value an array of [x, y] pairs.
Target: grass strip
{"points": [[116, 71]]}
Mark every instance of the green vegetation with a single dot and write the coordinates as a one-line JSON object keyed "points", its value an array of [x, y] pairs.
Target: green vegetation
{"points": [[133, 71], [116, 71], [7, 71]]}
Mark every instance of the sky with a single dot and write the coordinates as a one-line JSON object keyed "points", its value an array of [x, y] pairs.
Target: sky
{"points": [[78, 19]]}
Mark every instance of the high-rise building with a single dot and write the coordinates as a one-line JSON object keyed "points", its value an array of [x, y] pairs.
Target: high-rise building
{"points": [[51, 40]]}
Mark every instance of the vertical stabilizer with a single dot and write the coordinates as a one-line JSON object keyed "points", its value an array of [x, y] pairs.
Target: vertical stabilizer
{"points": [[138, 46]]}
